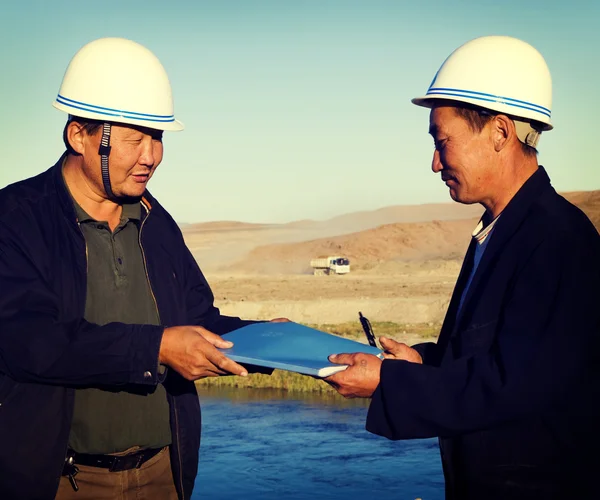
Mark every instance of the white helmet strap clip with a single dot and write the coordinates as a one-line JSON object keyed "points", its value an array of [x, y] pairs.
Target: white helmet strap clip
{"points": [[104, 152], [526, 133]]}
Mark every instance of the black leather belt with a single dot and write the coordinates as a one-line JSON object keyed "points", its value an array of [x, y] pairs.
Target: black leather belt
{"points": [[116, 463]]}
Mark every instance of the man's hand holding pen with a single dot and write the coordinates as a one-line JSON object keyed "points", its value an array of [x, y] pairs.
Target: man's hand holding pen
{"points": [[392, 349], [399, 350], [362, 376]]}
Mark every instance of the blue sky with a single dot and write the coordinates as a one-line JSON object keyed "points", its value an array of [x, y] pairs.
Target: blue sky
{"points": [[296, 109]]}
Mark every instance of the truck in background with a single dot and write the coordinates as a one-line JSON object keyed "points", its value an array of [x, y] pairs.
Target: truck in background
{"points": [[330, 265]]}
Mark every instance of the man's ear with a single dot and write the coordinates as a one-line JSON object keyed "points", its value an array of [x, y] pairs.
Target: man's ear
{"points": [[75, 135], [503, 131]]}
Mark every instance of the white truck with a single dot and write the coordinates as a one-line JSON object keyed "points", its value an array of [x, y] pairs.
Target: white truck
{"points": [[330, 265]]}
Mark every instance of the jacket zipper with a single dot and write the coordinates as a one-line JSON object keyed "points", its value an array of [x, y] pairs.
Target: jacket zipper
{"points": [[86, 249], [158, 313], [146, 268]]}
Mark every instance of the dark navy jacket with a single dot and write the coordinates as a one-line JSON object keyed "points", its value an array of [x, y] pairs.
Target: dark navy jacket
{"points": [[47, 349], [512, 387]]}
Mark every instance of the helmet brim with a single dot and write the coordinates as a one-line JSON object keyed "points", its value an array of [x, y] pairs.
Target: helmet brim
{"points": [[429, 102], [172, 125]]}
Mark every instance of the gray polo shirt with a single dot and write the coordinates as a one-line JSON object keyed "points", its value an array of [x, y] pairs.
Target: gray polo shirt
{"points": [[107, 420]]}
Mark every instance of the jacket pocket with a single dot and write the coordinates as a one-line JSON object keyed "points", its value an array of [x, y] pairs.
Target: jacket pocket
{"points": [[476, 338]]}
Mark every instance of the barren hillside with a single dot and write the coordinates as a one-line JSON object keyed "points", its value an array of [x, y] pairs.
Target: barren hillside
{"points": [[352, 222], [369, 239], [217, 245], [368, 249]]}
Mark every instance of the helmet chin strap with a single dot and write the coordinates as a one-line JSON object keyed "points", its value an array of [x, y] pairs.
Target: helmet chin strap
{"points": [[104, 152]]}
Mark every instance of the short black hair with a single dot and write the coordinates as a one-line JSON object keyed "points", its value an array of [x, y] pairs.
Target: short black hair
{"points": [[89, 126], [477, 118]]}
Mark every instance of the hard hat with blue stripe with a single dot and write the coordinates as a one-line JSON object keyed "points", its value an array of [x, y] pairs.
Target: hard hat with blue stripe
{"points": [[120, 81], [497, 73]]}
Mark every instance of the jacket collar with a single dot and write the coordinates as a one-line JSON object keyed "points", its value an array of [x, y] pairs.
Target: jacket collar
{"points": [[512, 217], [60, 187]]}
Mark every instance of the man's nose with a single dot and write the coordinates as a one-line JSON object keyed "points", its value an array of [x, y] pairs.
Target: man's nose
{"points": [[436, 164], [147, 157]]}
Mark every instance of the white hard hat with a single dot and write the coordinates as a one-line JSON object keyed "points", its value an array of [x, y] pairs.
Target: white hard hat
{"points": [[500, 73], [117, 80]]}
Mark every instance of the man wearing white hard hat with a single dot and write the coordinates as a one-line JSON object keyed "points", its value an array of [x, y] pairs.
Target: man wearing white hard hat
{"points": [[511, 387], [105, 318]]}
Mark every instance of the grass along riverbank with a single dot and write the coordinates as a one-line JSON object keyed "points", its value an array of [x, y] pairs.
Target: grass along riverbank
{"points": [[279, 379]]}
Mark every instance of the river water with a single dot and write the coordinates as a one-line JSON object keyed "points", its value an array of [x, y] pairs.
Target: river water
{"points": [[268, 444]]}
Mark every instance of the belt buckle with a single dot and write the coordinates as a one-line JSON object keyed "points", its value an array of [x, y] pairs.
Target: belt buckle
{"points": [[127, 462]]}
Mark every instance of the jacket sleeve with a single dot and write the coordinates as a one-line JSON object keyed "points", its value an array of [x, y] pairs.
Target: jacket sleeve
{"points": [[36, 345], [428, 351], [546, 342]]}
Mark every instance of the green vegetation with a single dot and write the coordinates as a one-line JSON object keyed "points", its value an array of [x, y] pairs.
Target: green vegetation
{"points": [[289, 381], [353, 330], [280, 379]]}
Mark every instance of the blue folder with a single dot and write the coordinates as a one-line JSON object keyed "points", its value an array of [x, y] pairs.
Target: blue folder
{"points": [[292, 347]]}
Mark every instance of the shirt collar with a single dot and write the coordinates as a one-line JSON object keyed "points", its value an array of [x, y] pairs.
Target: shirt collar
{"points": [[481, 232], [131, 211]]}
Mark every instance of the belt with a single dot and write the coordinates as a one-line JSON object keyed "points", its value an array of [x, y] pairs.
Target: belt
{"points": [[116, 463]]}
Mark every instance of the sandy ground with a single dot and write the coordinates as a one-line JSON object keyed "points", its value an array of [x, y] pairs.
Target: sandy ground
{"points": [[406, 293]]}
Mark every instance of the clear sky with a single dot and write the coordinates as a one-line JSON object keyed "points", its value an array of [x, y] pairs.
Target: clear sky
{"points": [[296, 109]]}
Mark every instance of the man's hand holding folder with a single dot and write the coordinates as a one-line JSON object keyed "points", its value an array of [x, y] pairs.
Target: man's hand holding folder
{"points": [[193, 351]]}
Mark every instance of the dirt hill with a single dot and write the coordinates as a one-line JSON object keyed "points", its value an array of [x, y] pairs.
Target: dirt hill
{"points": [[351, 222], [366, 249], [421, 241], [217, 245]]}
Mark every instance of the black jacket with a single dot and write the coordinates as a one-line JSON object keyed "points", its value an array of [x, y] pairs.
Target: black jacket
{"points": [[47, 349], [512, 386]]}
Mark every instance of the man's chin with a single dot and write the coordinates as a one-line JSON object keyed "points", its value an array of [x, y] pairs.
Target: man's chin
{"points": [[459, 197], [454, 195], [130, 194], [134, 191]]}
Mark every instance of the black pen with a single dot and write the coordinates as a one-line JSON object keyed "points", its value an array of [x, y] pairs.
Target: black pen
{"points": [[366, 326]]}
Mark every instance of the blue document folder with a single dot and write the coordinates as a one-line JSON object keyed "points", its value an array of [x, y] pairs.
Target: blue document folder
{"points": [[291, 346]]}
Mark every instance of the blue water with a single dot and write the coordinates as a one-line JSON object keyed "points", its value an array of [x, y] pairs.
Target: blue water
{"points": [[263, 445]]}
